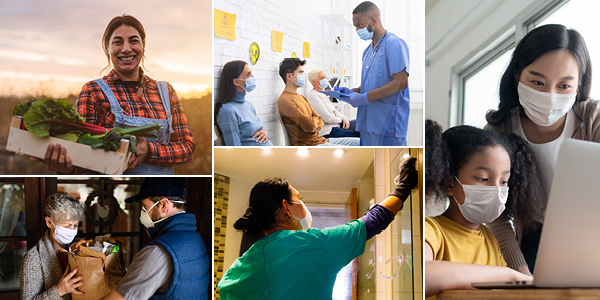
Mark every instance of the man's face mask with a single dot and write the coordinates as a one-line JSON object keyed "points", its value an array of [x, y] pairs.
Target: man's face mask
{"points": [[365, 34]]}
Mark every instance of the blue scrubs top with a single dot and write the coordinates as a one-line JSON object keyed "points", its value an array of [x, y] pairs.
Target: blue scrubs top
{"points": [[238, 122], [290, 264], [387, 116]]}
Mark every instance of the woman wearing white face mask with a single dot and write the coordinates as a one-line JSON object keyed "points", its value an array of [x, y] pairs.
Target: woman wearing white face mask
{"points": [[544, 99], [293, 260], [45, 273], [474, 169], [235, 117]]}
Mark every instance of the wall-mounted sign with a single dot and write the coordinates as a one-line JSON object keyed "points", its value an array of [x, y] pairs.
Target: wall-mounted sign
{"points": [[254, 53], [306, 50], [277, 41], [224, 25]]}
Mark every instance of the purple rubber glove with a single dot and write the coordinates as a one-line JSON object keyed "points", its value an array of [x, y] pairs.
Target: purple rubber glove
{"points": [[356, 99], [343, 90]]}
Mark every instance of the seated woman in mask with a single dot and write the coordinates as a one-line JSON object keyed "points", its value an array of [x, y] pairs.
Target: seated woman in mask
{"points": [[45, 273], [235, 117], [292, 260]]}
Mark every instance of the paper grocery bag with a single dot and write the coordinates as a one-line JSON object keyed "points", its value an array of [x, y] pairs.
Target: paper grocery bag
{"points": [[101, 273]]}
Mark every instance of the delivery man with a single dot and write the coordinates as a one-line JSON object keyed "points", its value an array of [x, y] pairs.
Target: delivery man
{"points": [[382, 98], [174, 264]]}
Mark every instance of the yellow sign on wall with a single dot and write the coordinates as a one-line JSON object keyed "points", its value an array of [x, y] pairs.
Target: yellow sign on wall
{"points": [[306, 50], [254, 53], [277, 41], [224, 25]]}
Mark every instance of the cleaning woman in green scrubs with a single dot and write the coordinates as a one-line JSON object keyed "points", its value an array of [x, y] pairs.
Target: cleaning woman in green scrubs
{"points": [[294, 261]]}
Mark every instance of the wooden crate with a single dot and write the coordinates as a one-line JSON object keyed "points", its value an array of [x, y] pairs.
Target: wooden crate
{"points": [[108, 162]]}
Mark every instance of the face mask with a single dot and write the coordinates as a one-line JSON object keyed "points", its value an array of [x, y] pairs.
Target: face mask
{"points": [[305, 222], [365, 34], [299, 80], [323, 83], [483, 204], [63, 235], [250, 84], [145, 218], [544, 109]]}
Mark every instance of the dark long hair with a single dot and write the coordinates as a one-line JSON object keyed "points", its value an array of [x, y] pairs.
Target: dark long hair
{"points": [[227, 89], [447, 151], [265, 200], [534, 45]]}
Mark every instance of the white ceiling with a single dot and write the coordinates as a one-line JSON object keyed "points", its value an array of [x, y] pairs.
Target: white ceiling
{"points": [[319, 171]]}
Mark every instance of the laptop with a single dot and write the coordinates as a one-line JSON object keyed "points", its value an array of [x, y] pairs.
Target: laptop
{"points": [[569, 251]]}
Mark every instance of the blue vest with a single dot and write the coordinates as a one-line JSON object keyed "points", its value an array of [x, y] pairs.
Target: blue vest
{"points": [[178, 235]]}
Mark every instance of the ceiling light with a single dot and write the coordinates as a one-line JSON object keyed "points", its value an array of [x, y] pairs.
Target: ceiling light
{"points": [[302, 152], [405, 156], [267, 151], [339, 153]]}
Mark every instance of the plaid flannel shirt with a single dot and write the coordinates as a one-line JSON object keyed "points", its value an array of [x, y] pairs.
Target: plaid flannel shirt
{"points": [[95, 108]]}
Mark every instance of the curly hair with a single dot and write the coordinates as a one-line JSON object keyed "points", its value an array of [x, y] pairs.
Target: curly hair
{"points": [[447, 151], [63, 207], [265, 200]]}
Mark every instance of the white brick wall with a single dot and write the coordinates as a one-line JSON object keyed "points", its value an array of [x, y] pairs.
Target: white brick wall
{"points": [[299, 21]]}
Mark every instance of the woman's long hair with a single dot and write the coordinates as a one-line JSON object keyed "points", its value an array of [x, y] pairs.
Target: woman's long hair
{"points": [[447, 151], [227, 89], [265, 201]]}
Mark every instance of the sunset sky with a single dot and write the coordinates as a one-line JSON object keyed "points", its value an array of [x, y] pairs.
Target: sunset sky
{"points": [[54, 47]]}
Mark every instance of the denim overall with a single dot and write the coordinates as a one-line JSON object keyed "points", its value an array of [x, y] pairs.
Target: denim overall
{"points": [[164, 133]]}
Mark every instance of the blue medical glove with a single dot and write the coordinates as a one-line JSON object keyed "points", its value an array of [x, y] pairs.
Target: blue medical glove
{"points": [[356, 99], [343, 90]]}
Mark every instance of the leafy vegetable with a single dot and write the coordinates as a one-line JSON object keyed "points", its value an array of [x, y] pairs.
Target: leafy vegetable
{"points": [[111, 141], [39, 118], [148, 131], [60, 119], [71, 136], [21, 109]]}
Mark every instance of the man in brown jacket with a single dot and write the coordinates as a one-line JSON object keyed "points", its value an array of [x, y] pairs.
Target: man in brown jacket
{"points": [[301, 121]]}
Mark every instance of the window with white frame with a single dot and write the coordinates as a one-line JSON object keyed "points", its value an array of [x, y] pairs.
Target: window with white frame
{"points": [[580, 15], [481, 90]]}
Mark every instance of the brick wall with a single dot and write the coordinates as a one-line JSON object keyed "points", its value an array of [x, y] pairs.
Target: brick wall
{"points": [[299, 21]]}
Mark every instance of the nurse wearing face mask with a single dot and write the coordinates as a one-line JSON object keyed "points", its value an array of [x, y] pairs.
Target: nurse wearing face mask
{"points": [[235, 117], [482, 173], [544, 99], [293, 260], [383, 98], [45, 273]]}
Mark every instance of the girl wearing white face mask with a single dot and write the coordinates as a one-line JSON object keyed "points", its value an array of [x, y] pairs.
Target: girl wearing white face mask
{"points": [[544, 99], [291, 260], [481, 173], [45, 272]]}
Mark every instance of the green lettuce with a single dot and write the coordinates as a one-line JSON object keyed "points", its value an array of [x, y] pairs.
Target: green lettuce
{"points": [[44, 116]]}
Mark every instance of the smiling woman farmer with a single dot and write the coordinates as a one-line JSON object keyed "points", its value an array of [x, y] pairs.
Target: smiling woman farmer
{"points": [[126, 98]]}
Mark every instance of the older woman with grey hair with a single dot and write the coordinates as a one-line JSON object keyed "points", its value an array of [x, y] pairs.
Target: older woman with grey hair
{"points": [[45, 272]]}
